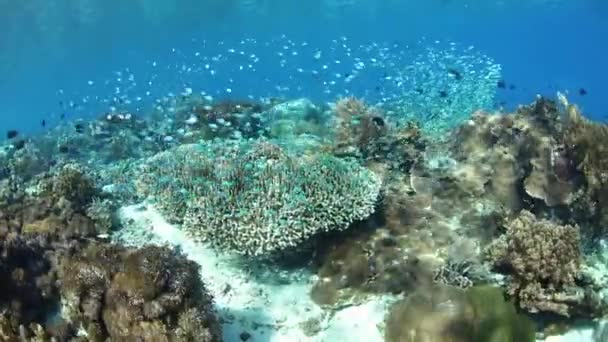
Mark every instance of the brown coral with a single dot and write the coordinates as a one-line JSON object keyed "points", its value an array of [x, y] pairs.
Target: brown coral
{"points": [[149, 294], [587, 144], [507, 156], [543, 259], [358, 125]]}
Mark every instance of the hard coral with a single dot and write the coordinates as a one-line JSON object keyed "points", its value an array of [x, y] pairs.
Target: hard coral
{"points": [[148, 294], [75, 184], [26, 289], [49, 214], [206, 119], [357, 125], [586, 143], [543, 259], [521, 154], [254, 198]]}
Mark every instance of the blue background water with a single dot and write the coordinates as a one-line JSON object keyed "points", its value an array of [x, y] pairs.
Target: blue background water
{"points": [[543, 46]]}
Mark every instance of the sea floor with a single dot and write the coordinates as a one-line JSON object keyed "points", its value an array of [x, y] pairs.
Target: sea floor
{"points": [[261, 305], [264, 305]]}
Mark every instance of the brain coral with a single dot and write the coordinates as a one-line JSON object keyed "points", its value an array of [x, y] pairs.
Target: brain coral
{"points": [[256, 199]]}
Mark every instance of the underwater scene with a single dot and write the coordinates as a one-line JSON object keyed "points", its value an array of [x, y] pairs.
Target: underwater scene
{"points": [[293, 171]]}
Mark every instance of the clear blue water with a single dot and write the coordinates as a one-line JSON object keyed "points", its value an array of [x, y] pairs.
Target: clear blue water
{"points": [[543, 46]]}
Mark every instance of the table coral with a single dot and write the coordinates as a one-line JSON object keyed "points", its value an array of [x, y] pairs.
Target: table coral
{"points": [[257, 199]]}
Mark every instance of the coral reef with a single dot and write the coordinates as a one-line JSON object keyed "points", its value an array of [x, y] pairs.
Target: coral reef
{"points": [[381, 208], [56, 206], [362, 132], [264, 200], [373, 263], [294, 118], [27, 290]]}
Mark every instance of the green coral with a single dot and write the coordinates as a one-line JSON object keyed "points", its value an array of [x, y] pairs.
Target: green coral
{"points": [[254, 198], [447, 314]]}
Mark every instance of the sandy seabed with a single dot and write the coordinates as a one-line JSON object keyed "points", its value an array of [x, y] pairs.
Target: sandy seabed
{"points": [[265, 305]]}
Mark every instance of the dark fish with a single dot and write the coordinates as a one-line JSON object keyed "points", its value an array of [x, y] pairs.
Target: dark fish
{"points": [[419, 90], [63, 149], [19, 144], [582, 91], [378, 121], [346, 74], [377, 88], [79, 128], [62, 116], [443, 93], [512, 87], [501, 84], [11, 134], [457, 75], [43, 123]]}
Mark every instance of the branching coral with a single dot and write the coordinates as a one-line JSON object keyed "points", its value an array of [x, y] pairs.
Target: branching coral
{"points": [[256, 199], [543, 259]]}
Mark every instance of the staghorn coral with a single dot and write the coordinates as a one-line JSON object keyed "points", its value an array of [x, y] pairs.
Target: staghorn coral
{"points": [[254, 198], [543, 259]]}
